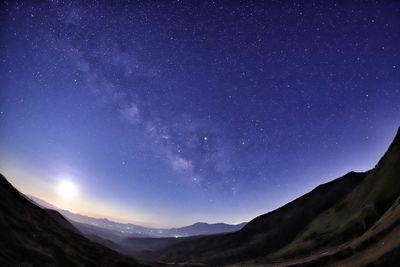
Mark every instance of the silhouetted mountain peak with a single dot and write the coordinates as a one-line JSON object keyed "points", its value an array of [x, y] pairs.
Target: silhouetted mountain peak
{"points": [[392, 154], [396, 141]]}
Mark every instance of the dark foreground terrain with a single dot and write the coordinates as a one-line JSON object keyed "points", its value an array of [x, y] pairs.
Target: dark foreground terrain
{"points": [[351, 221]]}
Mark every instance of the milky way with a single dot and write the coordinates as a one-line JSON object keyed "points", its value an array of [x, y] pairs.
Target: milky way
{"points": [[184, 110]]}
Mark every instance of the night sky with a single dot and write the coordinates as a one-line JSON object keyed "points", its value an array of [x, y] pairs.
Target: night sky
{"points": [[168, 113]]}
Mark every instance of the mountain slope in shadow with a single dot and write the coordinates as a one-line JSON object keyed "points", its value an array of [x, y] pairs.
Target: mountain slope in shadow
{"points": [[32, 236], [330, 216], [358, 212]]}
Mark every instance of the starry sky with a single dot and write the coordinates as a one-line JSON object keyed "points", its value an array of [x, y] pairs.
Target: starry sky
{"points": [[171, 112]]}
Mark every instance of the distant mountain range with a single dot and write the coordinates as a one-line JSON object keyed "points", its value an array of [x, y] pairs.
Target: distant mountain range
{"points": [[116, 231], [351, 221]]}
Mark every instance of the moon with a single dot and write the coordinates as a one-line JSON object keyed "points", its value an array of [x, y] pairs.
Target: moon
{"points": [[67, 190]]}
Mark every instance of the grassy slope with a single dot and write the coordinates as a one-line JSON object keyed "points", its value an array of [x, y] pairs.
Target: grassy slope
{"points": [[31, 236], [357, 212], [379, 246]]}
